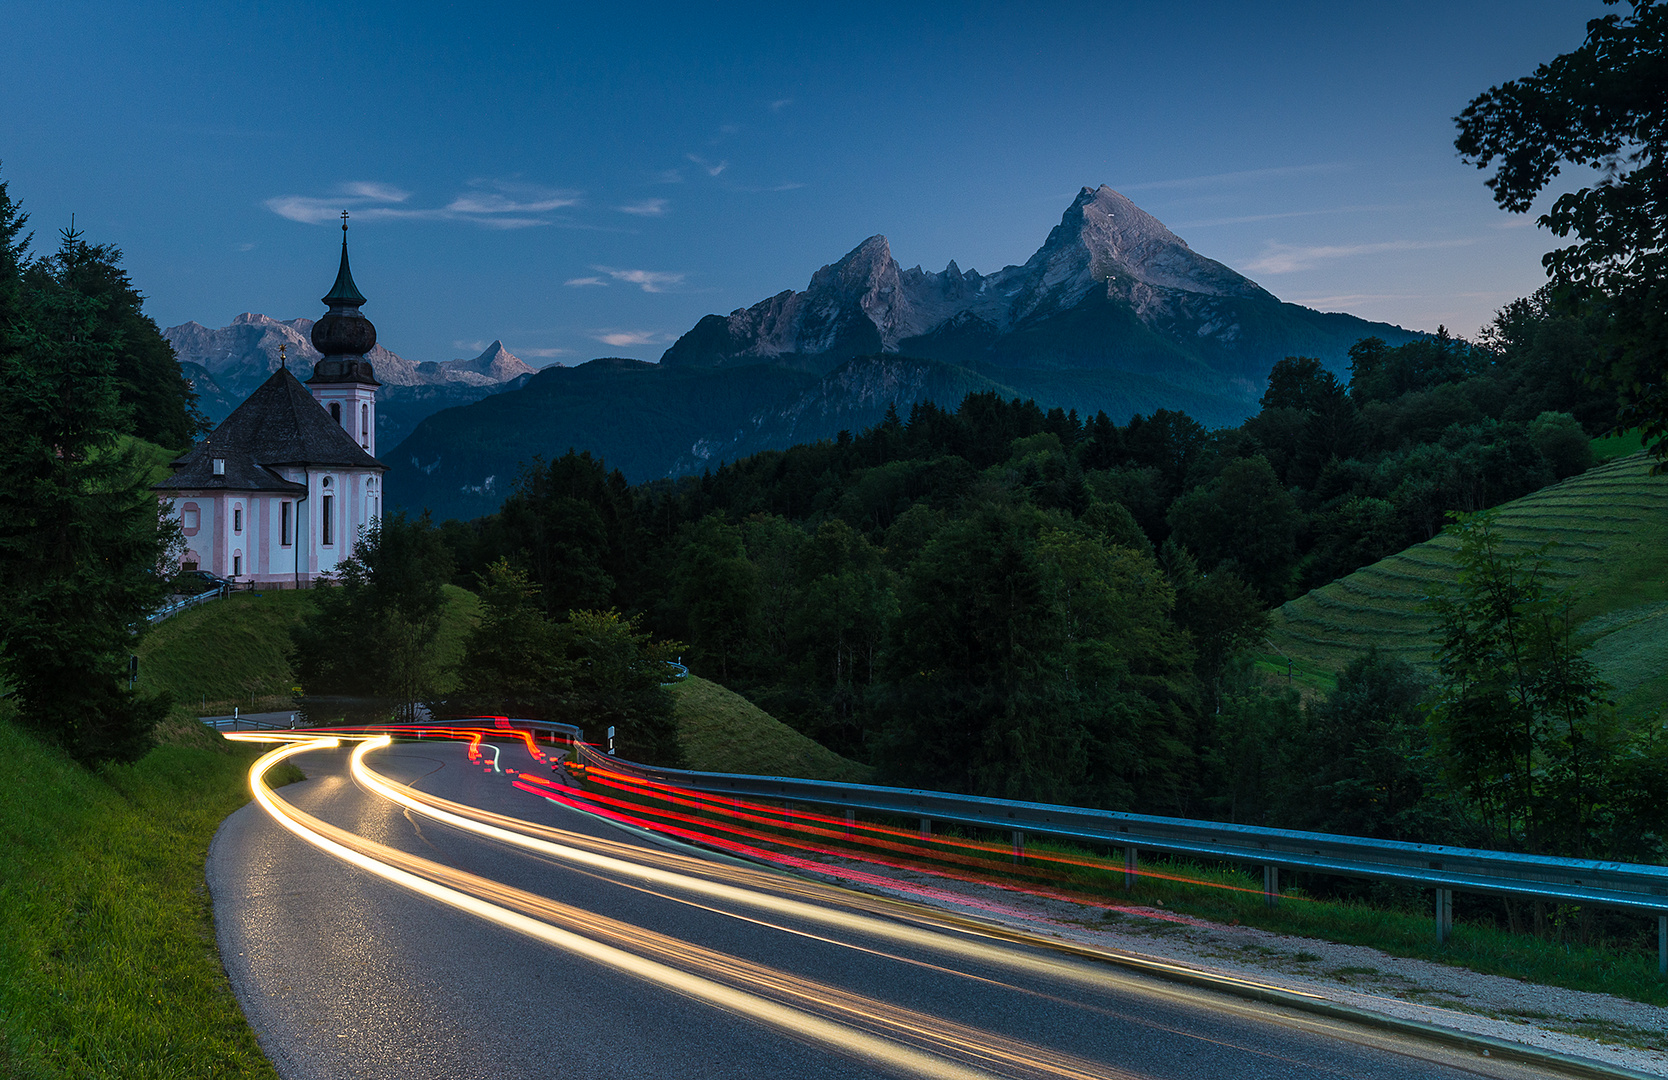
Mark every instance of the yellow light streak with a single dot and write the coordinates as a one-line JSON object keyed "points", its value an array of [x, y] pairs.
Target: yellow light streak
{"points": [[964, 943], [465, 892]]}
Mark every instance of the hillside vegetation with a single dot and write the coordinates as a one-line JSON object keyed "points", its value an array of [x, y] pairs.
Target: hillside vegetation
{"points": [[721, 731], [236, 651], [107, 959], [1608, 531]]}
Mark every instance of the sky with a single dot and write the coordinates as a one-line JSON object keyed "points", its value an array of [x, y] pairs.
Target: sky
{"points": [[589, 180]]}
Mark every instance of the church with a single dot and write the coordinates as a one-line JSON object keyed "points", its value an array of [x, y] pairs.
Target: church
{"points": [[278, 493]]}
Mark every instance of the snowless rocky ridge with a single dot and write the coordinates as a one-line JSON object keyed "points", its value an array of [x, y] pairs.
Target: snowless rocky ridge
{"points": [[1104, 245], [241, 356]]}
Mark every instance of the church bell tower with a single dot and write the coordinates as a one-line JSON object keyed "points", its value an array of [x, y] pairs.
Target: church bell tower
{"points": [[343, 381]]}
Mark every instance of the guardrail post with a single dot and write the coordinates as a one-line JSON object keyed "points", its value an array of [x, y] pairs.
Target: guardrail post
{"points": [[1444, 915], [1662, 946], [851, 819], [1019, 845], [1271, 885], [926, 828], [1129, 868]]}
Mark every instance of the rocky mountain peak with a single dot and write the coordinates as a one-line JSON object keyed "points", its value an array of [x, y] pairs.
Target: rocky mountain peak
{"points": [[1103, 235]]}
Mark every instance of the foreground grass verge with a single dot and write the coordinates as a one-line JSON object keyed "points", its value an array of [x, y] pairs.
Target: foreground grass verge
{"points": [[1231, 896], [108, 965]]}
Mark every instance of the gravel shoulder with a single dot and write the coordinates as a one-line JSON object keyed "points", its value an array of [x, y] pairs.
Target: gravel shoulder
{"points": [[1597, 1026]]}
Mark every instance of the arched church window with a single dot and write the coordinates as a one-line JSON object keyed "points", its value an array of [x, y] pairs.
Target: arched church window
{"points": [[336, 411]]}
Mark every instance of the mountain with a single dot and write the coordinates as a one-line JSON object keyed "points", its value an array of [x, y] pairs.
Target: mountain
{"points": [[639, 417], [225, 365], [1113, 312], [1110, 289]]}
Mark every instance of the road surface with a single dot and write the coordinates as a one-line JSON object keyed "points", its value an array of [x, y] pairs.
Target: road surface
{"points": [[599, 953]]}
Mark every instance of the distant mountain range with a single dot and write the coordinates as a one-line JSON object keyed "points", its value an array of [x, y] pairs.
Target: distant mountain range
{"points": [[226, 364], [1113, 312]]}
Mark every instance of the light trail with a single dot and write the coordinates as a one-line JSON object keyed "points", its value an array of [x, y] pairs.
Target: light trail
{"points": [[865, 1028], [823, 905], [1038, 864]]}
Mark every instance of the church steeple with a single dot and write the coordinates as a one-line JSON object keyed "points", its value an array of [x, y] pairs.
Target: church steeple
{"points": [[344, 335], [344, 293], [343, 383]]}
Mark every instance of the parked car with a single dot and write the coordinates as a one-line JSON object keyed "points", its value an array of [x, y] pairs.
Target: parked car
{"points": [[199, 581]]}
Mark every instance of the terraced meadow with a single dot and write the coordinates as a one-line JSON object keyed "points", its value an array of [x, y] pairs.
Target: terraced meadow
{"points": [[1608, 529]]}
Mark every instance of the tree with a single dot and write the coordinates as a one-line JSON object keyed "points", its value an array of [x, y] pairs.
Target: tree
{"points": [[374, 633], [1516, 700], [80, 531], [1604, 105], [150, 383], [1246, 518], [1368, 765], [510, 662], [714, 588], [617, 677]]}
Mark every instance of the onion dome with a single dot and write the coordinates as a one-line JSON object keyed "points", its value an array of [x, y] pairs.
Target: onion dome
{"points": [[344, 335]]}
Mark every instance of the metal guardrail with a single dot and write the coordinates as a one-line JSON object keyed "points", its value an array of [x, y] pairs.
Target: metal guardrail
{"points": [[1627, 886], [180, 605]]}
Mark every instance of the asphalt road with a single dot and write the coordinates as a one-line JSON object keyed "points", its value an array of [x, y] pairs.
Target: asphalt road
{"points": [[345, 974]]}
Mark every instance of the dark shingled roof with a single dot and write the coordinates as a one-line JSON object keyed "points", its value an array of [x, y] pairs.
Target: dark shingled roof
{"points": [[279, 424]]}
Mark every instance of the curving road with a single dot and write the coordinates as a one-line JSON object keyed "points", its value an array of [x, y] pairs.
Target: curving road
{"points": [[562, 946]]}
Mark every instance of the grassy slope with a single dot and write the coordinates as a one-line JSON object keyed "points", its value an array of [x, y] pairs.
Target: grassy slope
{"points": [[1609, 528], [219, 654], [107, 957], [722, 731]]}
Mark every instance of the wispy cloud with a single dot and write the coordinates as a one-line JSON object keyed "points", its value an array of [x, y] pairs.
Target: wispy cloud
{"points": [[780, 104], [646, 208], [490, 204], [789, 186], [581, 282], [542, 354], [1286, 258], [621, 339], [470, 346], [1250, 218], [668, 176], [712, 168], [1213, 179], [647, 280]]}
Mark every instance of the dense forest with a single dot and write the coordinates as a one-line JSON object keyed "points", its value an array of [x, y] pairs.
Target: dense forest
{"points": [[1007, 600]]}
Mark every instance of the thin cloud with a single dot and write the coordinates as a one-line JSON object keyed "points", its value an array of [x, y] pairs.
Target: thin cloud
{"points": [[779, 105], [711, 168], [541, 354], [1286, 259], [1250, 218], [621, 339], [471, 346], [790, 186], [651, 281], [668, 176], [646, 208], [490, 204], [581, 282], [1212, 179]]}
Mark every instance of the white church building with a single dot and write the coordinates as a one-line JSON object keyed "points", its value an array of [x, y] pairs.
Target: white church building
{"points": [[277, 494]]}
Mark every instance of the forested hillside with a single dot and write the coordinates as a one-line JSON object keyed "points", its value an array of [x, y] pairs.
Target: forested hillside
{"points": [[1019, 602]]}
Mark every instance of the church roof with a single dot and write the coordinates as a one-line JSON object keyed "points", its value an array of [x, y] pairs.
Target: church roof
{"points": [[279, 424]]}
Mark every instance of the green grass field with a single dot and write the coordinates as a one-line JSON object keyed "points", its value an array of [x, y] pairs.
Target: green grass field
{"points": [[236, 651], [1609, 531], [722, 731], [107, 958]]}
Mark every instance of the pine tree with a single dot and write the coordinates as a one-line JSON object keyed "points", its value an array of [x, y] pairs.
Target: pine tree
{"points": [[80, 531]]}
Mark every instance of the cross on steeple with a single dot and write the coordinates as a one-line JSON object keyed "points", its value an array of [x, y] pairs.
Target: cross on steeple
{"points": [[344, 225]]}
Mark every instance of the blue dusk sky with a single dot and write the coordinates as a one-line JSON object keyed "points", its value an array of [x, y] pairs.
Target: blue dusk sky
{"points": [[589, 180]]}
